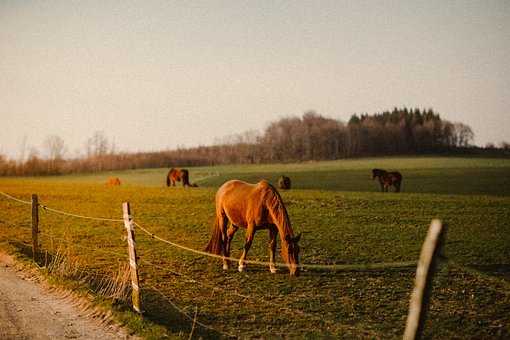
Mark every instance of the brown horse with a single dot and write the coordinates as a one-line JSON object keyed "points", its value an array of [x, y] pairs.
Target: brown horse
{"points": [[113, 181], [284, 183], [387, 179], [177, 175], [254, 207]]}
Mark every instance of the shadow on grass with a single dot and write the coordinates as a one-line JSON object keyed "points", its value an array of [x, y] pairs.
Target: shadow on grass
{"points": [[497, 270], [43, 257], [25, 249], [158, 310]]}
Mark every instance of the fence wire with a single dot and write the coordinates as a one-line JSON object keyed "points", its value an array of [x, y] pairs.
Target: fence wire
{"points": [[65, 213], [14, 198], [338, 267], [56, 211]]}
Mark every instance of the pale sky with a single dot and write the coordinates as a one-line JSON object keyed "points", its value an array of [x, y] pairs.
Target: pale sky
{"points": [[158, 74]]}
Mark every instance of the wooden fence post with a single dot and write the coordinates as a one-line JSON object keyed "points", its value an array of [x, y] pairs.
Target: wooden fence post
{"points": [[35, 227], [418, 304], [128, 223]]}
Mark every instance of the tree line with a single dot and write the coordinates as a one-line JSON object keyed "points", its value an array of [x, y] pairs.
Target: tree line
{"points": [[290, 139]]}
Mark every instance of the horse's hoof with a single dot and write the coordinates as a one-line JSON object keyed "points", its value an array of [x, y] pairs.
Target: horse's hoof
{"points": [[241, 268], [273, 270]]}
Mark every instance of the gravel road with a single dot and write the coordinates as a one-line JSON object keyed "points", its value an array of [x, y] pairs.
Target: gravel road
{"points": [[29, 311]]}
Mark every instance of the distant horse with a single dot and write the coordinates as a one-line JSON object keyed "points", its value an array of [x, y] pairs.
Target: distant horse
{"points": [[113, 181], [177, 175], [387, 179], [254, 207], [284, 183]]}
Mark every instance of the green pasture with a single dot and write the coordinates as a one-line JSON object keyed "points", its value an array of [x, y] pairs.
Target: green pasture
{"points": [[343, 220], [436, 175]]}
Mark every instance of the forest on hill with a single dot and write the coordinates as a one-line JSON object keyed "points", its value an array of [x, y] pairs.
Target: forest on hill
{"points": [[312, 136]]}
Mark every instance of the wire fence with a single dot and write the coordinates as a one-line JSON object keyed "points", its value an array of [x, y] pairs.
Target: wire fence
{"points": [[346, 267], [193, 319], [56, 211], [15, 199]]}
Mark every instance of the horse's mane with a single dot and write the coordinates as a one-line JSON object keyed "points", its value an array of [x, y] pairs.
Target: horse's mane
{"points": [[278, 212]]}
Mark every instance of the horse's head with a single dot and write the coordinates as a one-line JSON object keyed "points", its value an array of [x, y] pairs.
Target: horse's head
{"points": [[378, 173], [292, 255]]}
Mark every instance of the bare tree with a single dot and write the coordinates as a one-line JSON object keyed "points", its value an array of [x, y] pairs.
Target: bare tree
{"points": [[54, 147], [464, 134], [55, 150], [97, 145], [309, 137], [22, 149], [505, 145], [34, 164]]}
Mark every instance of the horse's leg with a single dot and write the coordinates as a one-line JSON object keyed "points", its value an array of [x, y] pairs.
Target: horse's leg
{"points": [[273, 232], [381, 182], [230, 235], [223, 226], [250, 231]]}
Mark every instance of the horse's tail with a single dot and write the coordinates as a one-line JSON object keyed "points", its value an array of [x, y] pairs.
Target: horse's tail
{"points": [[215, 245]]}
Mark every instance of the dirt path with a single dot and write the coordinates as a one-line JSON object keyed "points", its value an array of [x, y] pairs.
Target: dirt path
{"points": [[29, 311]]}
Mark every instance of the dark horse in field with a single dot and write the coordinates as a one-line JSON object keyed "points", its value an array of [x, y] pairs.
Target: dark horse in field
{"points": [[254, 207], [387, 179], [284, 183], [177, 175]]}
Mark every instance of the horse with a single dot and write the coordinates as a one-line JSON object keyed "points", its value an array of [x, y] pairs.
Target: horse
{"points": [[254, 207], [113, 181], [387, 179], [284, 183], [177, 175]]}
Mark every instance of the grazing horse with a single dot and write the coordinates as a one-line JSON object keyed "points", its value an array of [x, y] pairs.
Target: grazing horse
{"points": [[113, 181], [284, 183], [177, 175], [254, 207], [387, 179]]}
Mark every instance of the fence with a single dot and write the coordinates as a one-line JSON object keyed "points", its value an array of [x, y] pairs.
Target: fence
{"points": [[426, 265]]}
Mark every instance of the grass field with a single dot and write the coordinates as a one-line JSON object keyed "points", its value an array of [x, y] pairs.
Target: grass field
{"points": [[344, 220], [437, 175]]}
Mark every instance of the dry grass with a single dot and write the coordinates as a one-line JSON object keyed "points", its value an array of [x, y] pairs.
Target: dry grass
{"points": [[63, 263]]}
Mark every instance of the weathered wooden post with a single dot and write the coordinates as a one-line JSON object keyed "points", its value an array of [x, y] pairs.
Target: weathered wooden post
{"points": [[35, 227], [128, 223], [418, 304]]}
